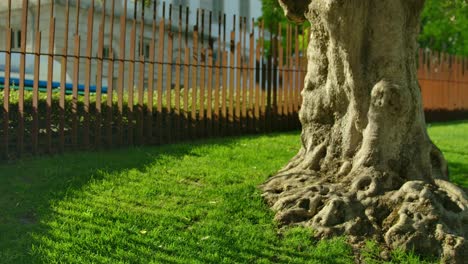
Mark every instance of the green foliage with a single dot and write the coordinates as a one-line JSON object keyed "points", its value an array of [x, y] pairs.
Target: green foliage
{"points": [[273, 18], [445, 26]]}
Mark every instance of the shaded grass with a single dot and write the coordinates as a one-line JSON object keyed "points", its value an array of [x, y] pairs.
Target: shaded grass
{"points": [[184, 203]]}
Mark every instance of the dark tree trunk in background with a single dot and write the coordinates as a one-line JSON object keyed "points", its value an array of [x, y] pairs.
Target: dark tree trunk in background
{"points": [[367, 167]]}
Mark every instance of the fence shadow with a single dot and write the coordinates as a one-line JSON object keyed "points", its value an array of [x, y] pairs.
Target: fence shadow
{"points": [[29, 196]]}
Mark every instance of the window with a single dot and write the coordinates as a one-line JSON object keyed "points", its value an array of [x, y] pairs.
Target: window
{"points": [[215, 6], [177, 3], [146, 49], [15, 39], [218, 6], [244, 11], [106, 52]]}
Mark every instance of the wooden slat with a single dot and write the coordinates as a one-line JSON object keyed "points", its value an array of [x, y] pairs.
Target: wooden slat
{"points": [[238, 84], [262, 94], [178, 68], [6, 93], [232, 70], [274, 84], [120, 78], [186, 76], [257, 82], [269, 87], [251, 72], [35, 99], [50, 72], [170, 53], [35, 95], [282, 75], [87, 81], [289, 88], [216, 110], [186, 90], [99, 72], [209, 99], [243, 116], [140, 137], [131, 81], [6, 88], [110, 82], [63, 78], [224, 65], [245, 77], [200, 125], [150, 91], [194, 70], [160, 75], [296, 73], [22, 68], [141, 82], [76, 70]]}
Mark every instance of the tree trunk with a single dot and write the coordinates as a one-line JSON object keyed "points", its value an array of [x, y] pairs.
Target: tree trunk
{"points": [[367, 167]]}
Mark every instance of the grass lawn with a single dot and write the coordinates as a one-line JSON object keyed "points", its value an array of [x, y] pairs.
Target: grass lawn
{"points": [[185, 203]]}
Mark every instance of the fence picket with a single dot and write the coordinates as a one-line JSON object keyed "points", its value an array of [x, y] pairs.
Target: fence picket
{"points": [[22, 68], [35, 99], [257, 82], [251, 74], [110, 82], [121, 78], [244, 74], [194, 71], [99, 73], [224, 64], [6, 93], [209, 100], [216, 107], [232, 66], [168, 111], [238, 83], [50, 61], [63, 75], [281, 78], [89, 48], [200, 124], [131, 79], [150, 90], [177, 113], [160, 74], [186, 124]]}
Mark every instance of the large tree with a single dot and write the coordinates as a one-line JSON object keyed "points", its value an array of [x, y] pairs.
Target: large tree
{"points": [[367, 167]]}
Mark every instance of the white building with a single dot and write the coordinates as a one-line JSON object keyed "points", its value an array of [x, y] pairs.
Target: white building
{"points": [[39, 21]]}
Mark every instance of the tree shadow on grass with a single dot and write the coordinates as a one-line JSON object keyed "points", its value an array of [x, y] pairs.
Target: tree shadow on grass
{"points": [[459, 173]]}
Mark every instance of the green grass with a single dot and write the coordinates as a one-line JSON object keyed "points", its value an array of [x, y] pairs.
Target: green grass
{"points": [[452, 139], [184, 203]]}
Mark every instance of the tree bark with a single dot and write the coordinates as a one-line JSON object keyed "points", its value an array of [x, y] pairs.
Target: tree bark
{"points": [[367, 167]]}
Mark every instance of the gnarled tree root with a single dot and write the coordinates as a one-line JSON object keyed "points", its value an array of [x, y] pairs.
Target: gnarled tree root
{"points": [[429, 218]]}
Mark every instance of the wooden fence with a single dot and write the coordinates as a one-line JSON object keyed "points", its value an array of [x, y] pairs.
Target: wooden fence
{"points": [[153, 77], [444, 82]]}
